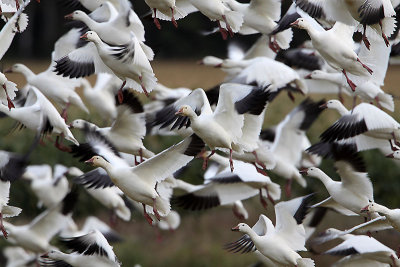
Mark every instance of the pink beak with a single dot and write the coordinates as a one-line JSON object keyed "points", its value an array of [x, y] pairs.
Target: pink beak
{"points": [[84, 37], [89, 161], [236, 228], [308, 76], [303, 171], [324, 106], [8, 71], [390, 156], [365, 209], [69, 16], [45, 255], [179, 112], [294, 24]]}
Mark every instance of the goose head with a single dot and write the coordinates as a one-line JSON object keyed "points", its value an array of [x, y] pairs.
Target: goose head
{"points": [[242, 227], [186, 110], [300, 23], [52, 254], [76, 15], [91, 36], [312, 171], [97, 161], [316, 74], [371, 207], [78, 124], [18, 68], [332, 104]]}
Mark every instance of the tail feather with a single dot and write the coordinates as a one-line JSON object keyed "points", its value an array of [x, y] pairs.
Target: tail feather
{"points": [[10, 211], [386, 101], [284, 38], [234, 19], [123, 212], [163, 206]]}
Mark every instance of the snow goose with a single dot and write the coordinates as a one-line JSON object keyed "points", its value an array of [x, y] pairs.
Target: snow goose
{"points": [[46, 82], [116, 30], [91, 249], [146, 175], [50, 189], [278, 243], [228, 21], [128, 129], [354, 191], [110, 197], [227, 188], [17, 23], [364, 119], [369, 90], [360, 247], [362, 141], [101, 96], [260, 16], [8, 94], [378, 14], [36, 235], [394, 155], [223, 128], [39, 115], [287, 147], [392, 215], [93, 223], [263, 71], [128, 62], [169, 10], [341, 57]]}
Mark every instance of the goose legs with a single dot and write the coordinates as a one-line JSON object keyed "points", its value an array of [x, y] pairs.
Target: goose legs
{"points": [[205, 162], [156, 21], [262, 200], [364, 37], [173, 19], [273, 44], [155, 210], [258, 162], [349, 82], [228, 26], [147, 216], [64, 113], [365, 66], [143, 87], [120, 95], [3, 230], [60, 146], [288, 188], [10, 103], [384, 35], [223, 32], [230, 159]]}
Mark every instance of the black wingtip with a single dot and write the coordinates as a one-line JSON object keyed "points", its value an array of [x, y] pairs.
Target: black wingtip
{"points": [[192, 202], [312, 111], [303, 209], [70, 200], [68, 68], [195, 146], [346, 127], [130, 100], [255, 102]]}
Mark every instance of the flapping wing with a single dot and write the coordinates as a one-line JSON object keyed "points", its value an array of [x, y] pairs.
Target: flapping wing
{"points": [[169, 161], [97, 178]]}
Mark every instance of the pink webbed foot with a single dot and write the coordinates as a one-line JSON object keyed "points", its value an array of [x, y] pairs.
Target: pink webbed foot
{"points": [[3, 230], [143, 87], [263, 201], [349, 82], [288, 188], [228, 26], [154, 208], [205, 162], [365, 39]]}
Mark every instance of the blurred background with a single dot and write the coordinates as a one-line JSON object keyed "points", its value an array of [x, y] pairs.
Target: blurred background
{"points": [[199, 239]]}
